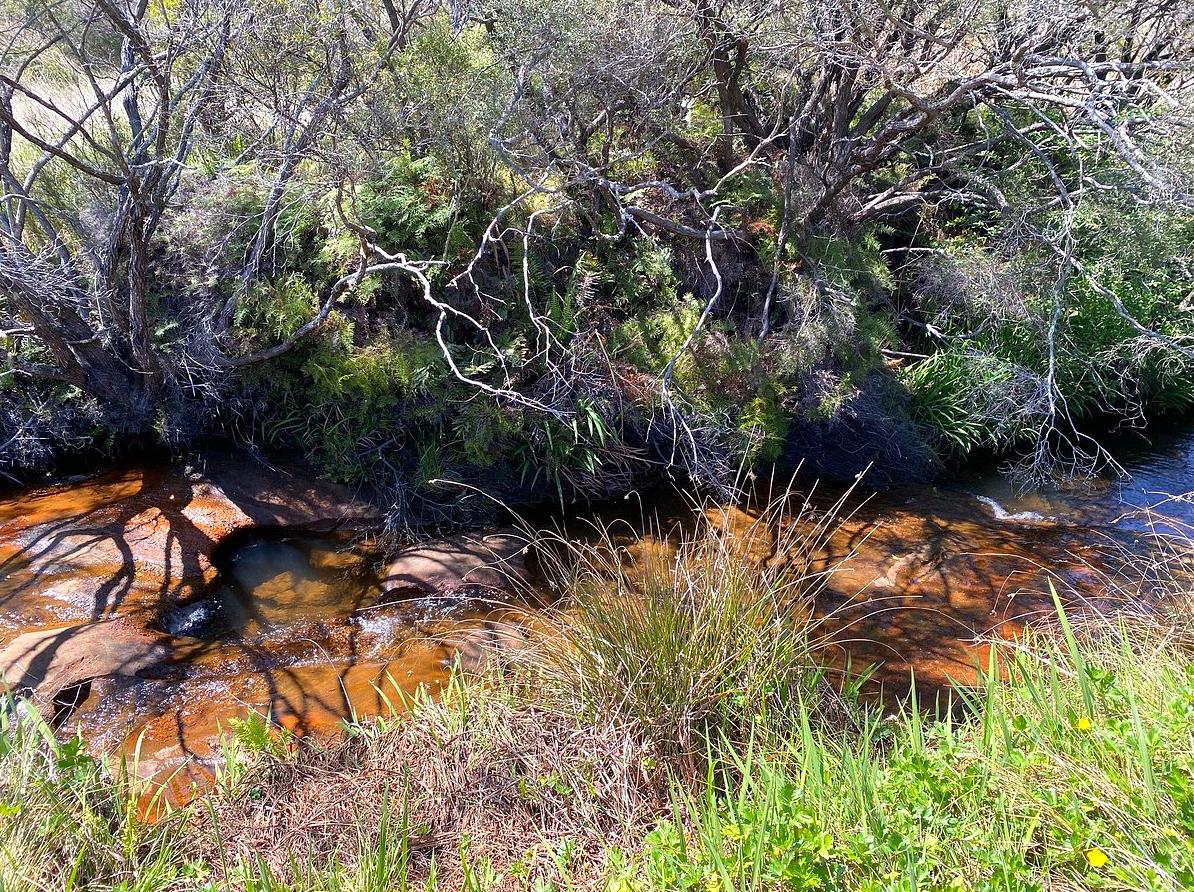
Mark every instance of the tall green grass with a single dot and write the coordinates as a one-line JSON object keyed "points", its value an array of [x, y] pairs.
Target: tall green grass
{"points": [[1072, 768], [69, 822]]}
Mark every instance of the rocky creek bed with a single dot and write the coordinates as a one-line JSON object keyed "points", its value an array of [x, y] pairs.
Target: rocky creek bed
{"points": [[152, 608]]}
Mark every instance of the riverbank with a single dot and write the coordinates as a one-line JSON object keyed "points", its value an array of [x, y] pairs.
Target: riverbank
{"points": [[152, 609], [678, 736]]}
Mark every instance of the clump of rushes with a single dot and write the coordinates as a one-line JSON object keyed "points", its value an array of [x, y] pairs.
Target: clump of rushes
{"points": [[1150, 580], [694, 638]]}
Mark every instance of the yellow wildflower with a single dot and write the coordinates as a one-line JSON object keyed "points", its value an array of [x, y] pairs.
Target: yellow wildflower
{"points": [[1083, 724], [1096, 857]]}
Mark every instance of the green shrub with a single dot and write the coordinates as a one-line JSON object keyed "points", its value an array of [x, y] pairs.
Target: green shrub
{"points": [[764, 424], [408, 204], [650, 342], [275, 310], [991, 306], [337, 401]]}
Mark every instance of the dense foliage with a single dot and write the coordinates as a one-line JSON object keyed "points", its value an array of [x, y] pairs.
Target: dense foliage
{"points": [[549, 246]]}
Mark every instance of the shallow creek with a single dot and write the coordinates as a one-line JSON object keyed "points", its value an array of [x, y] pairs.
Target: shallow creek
{"points": [[152, 608]]}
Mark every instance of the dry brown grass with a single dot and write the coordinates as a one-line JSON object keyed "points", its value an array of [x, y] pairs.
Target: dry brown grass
{"points": [[485, 775]]}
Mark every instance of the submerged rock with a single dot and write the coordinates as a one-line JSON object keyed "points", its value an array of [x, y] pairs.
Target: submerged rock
{"points": [[133, 543], [47, 664], [156, 608], [495, 561]]}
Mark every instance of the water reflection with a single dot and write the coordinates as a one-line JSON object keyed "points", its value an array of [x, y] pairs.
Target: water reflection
{"points": [[298, 630], [1157, 479]]}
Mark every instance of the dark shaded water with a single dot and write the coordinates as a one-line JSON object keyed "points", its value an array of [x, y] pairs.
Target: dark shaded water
{"points": [[1157, 484]]}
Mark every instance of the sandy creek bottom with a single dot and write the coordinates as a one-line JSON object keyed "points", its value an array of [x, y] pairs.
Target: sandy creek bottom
{"points": [[227, 601]]}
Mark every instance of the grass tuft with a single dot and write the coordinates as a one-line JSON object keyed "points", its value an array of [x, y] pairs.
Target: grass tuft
{"points": [[689, 643]]}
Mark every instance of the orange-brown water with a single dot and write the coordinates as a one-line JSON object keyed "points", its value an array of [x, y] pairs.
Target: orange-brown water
{"points": [[297, 632], [260, 618]]}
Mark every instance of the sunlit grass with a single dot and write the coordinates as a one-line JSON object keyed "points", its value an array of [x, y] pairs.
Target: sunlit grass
{"points": [[1071, 769], [70, 822]]}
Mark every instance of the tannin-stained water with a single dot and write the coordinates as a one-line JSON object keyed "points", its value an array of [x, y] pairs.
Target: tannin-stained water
{"points": [[191, 602], [154, 608], [297, 630]]}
